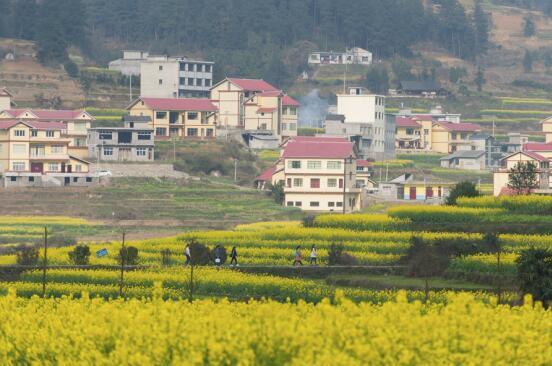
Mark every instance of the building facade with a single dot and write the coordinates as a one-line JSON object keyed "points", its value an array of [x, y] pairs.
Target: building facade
{"points": [[6, 101], [129, 64], [36, 153], [175, 77], [353, 56], [133, 142], [501, 175], [177, 117]]}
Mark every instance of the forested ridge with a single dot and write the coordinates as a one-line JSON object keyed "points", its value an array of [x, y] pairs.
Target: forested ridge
{"points": [[268, 38]]}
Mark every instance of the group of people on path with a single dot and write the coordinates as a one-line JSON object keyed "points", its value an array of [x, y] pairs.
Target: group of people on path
{"points": [[313, 259], [218, 254]]}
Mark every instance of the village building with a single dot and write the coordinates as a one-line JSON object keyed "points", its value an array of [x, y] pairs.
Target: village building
{"points": [[547, 129], [465, 159], [175, 77], [249, 108], [362, 120], [407, 187], [318, 174], [77, 123], [501, 175], [133, 142], [177, 117], [129, 64], [6, 100], [34, 153], [427, 89], [352, 56]]}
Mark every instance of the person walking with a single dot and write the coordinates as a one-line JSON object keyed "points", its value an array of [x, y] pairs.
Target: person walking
{"points": [[187, 255], [313, 256], [298, 256], [218, 255], [233, 256]]}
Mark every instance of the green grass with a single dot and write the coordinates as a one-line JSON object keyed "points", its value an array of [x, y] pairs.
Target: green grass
{"points": [[400, 282]]}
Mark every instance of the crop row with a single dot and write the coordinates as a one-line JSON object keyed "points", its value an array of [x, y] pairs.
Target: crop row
{"points": [[528, 205]]}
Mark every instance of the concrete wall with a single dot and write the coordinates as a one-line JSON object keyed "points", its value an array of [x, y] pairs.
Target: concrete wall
{"points": [[150, 74]]}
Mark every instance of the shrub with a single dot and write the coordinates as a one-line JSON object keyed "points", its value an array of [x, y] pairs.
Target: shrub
{"points": [[223, 254], [462, 189], [27, 255], [535, 274], [166, 257], [80, 255], [71, 69], [277, 192], [129, 255], [309, 221], [200, 254], [337, 256]]}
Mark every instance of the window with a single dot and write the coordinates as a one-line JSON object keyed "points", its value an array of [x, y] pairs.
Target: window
{"points": [[315, 183], [192, 115], [106, 135], [56, 149], [50, 133], [140, 151], [298, 182], [79, 142], [410, 131], [182, 81], [160, 81], [108, 151], [160, 115], [334, 165], [207, 82], [160, 131], [298, 203], [182, 66], [193, 132], [53, 167], [78, 168], [209, 132], [144, 135], [31, 179], [294, 164], [290, 204], [34, 133], [314, 164], [19, 133], [160, 67], [18, 166], [332, 183], [341, 183], [453, 135], [19, 149], [289, 182], [314, 204], [463, 135], [331, 204], [191, 81], [426, 131], [339, 204], [284, 126], [13, 179], [88, 179], [199, 82]]}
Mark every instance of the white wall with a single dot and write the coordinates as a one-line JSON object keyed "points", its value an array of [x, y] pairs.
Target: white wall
{"points": [[150, 76]]}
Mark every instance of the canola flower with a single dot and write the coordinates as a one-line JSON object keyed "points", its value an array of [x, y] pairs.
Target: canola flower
{"points": [[91, 331]]}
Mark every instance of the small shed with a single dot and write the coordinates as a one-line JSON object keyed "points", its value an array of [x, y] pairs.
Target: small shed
{"points": [[465, 159]]}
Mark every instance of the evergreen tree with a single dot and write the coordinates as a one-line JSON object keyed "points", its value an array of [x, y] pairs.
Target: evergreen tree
{"points": [[26, 13], [528, 62], [480, 78], [529, 27], [481, 22]]}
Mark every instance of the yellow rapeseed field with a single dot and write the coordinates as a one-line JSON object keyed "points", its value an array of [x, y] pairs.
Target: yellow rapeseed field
{"points": [[155, 332]]}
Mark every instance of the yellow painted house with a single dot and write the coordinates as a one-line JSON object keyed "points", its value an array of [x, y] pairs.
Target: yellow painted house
{"points": [[547, 129], [255, 105], [501, 176], [77, 123], [177, 117]]}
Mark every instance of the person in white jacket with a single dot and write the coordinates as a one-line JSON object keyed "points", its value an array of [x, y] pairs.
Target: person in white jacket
{"points": [[188, 255], [313, 255]]}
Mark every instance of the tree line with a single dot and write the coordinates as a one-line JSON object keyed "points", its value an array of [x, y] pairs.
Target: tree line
{"points": [[257, 38]]}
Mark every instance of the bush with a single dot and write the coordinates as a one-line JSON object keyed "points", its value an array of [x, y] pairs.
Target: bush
{"points": [[337, 256], [309, 221], [80, 255], [27, 255], [277, 192], [129, 255], [223, 255], [535, 274], [71, 69], [200, 254], [462, 189]]}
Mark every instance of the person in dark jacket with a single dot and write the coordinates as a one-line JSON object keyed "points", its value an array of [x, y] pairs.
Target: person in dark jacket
{"points": [[234, 256], [218, 255]]}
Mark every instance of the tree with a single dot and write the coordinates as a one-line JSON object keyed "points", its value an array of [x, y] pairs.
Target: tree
{"points": [[523, 177], [462, 189], [277, 192], [401, 70], [492, 243], [80, 255], [528, 62], [528, 27], [129, 256], [481, 23], [200, 254], [377, 79], [480, 79], [456, 74], [534, 267], [27, 255]]}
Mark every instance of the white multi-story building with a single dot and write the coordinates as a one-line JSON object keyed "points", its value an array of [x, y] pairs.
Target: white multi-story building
{"points": [[175, 77], [352, 56], [362, 120], [130, 63]]}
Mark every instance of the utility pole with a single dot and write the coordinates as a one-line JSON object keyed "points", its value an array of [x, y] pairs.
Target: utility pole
{"points": [[123, 255], [235, 170], [130, 87], [174, 149], [45, 262]]}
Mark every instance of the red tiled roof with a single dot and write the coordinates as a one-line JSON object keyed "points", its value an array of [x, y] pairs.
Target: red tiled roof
{"points": [[289, 101], [406, 122], [266, 176], [266, 110], [6, 124], [535, 155], [460, 127], [253, 84], [180, 104], [326, 150], [272, 93], [537, 146], [47, 114], [364, 163]]}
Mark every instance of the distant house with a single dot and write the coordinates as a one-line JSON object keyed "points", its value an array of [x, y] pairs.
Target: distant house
{"points": [[547, 128], [6, 101], [421, 88], [352, 56], [466, 159], [406, 187], [130, 63], [501, 175], [133, 142]]}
